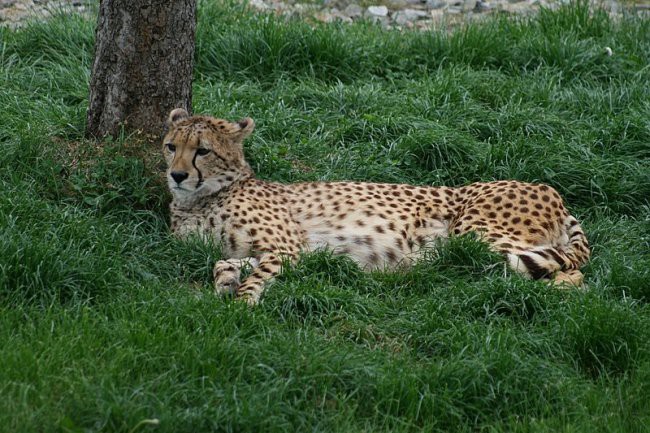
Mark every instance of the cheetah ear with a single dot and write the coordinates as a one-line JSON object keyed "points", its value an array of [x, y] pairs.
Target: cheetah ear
{"points": [[246, 126], [176, 115]]}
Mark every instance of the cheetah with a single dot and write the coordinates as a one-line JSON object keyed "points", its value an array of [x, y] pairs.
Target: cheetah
{"points": [[263, 225]]}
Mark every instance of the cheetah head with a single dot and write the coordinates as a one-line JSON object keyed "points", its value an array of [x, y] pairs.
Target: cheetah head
{"points": [[204, 154]]}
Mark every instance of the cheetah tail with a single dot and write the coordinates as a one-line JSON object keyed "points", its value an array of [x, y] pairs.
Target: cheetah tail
{"points": [[545, 261], [577, 247], [540, 262]]}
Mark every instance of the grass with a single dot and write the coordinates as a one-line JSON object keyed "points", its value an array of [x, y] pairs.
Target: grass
{"points": [[107, 322]]}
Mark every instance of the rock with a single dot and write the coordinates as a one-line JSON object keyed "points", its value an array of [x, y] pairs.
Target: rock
{"points": [[353, 11], [425, 24], [482, 6], [304, 9], [436, 4], [406, 16], [398, 4], [437, 15], [258, 4], [377, 11], [24, 6], [332, 15], [280, 7], [379, 15], [469, 5], [517, 8]]}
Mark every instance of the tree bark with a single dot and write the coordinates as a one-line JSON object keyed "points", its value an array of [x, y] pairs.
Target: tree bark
{"points": [[144, 58]]}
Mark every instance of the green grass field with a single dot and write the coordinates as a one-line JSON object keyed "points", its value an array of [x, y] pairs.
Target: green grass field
{"points": [[106, 321]]}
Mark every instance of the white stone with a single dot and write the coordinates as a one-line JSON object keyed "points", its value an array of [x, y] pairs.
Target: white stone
{"points": [[258, 4], [378, 11], [332, 16], [436, 4], [398, 4], [406, 16], [353, 10], [24, 6], [469, 5], [437, 14], [516, 8]]}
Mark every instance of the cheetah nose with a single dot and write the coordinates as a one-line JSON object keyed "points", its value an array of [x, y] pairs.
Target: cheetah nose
{"points": [[179, 176]]}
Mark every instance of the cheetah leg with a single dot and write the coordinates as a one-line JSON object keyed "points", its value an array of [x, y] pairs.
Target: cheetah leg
{"points": [[270, 265], [569, 279], [226, 274]]}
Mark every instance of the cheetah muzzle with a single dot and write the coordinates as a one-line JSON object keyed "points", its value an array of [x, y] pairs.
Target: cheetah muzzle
{"points": [[381, 226]]}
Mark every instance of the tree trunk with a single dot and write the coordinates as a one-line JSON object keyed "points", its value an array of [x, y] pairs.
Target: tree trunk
{"points": [[144, 57]]}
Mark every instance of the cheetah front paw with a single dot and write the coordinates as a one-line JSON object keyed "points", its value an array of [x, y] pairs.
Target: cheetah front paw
{"points": [[226, 277], [226, 285]]}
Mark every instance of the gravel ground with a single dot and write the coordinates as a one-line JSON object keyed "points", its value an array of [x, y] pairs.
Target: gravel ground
{"points": [[422, 14], [15, 12]]}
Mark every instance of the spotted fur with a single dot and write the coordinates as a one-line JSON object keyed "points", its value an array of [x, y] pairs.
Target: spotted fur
{"points": [[263, 225]]}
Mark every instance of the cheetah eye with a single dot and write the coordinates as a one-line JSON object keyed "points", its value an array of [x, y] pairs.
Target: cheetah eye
{"points": [[171, 147], [202, 151]]}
